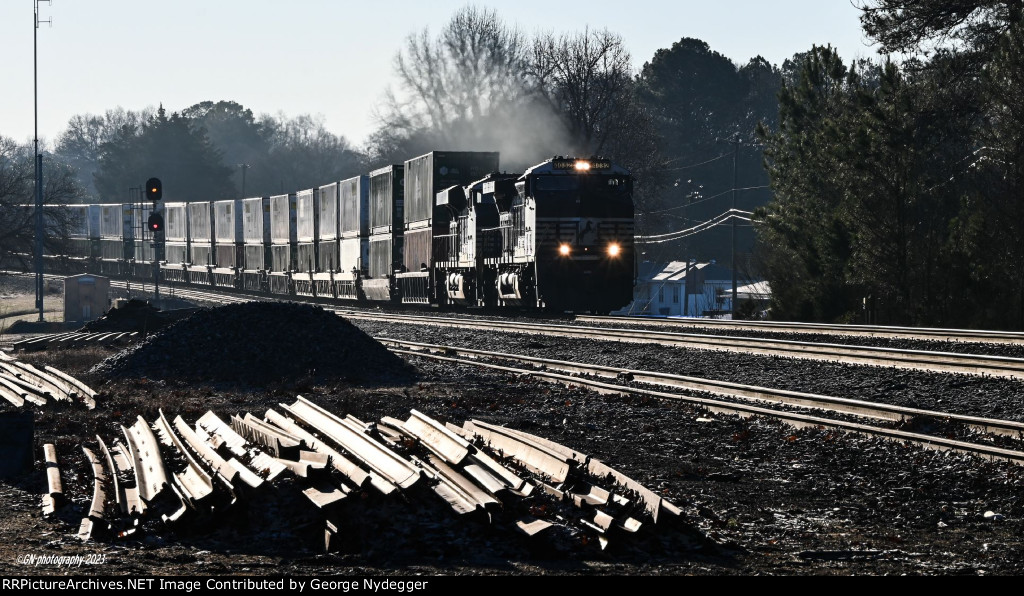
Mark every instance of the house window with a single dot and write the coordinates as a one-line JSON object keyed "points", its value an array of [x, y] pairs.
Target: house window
{"points": [[675, 294]]}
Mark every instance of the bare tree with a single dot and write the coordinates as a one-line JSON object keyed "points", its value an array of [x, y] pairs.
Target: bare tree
{"points": [[587, 79], [475, 68], [17, 212], [80, 145]]}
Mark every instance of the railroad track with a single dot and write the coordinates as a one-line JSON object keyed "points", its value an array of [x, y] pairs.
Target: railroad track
{"points": [[877, 331], [185, 293], [974, 364], [998, 366], [733, 398]]}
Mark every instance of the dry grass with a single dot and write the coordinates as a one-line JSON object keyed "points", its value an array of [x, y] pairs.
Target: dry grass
{"points": [[18, 301], [23, 308], [73, 361]]}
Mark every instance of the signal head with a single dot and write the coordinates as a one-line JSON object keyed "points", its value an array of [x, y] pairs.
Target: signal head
{"points": [[154, 189], [155, 223]]}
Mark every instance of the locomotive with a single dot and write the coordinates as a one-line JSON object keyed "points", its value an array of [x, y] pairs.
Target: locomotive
{"points": [[444, 229]]}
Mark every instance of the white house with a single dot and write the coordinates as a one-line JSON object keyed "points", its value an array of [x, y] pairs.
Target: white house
{"points": [[686, 289]]}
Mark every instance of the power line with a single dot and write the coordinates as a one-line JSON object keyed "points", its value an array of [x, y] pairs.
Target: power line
{"points": [[721, 194], [697, 165], [730, 215]]}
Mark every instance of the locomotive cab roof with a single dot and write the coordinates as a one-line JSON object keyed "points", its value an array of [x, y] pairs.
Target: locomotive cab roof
{"points": [[575, 165]]}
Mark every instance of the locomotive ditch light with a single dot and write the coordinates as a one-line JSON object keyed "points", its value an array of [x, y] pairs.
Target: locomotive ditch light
{"points": [[614, 249], [564, 250], [582, 165]]}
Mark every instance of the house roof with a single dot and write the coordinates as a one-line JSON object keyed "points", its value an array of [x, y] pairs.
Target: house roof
{"points": [[676, 271]]}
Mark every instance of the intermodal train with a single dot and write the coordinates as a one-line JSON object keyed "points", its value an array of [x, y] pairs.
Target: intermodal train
{"points": [[446, 229]]}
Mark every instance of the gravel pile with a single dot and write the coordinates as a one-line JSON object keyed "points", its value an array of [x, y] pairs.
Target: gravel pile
{"points": [[255, 344], [134, 315]]}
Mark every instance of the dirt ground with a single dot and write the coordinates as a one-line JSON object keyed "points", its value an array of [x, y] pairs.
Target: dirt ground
{"points": [[759, 498]]}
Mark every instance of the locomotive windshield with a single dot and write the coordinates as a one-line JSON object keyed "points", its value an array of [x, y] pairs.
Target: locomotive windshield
{"points": [[586, 195]]}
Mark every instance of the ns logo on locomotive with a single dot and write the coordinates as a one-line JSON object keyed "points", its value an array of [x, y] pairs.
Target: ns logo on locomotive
{"points": [[445, 229]]}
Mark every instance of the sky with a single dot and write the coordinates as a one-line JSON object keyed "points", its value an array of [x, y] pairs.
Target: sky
{"points": [[333, 58]]}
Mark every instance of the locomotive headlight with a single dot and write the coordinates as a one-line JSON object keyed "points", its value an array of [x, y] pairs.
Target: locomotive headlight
{"points": [[583, 165], [564, 250], [614, 249]]}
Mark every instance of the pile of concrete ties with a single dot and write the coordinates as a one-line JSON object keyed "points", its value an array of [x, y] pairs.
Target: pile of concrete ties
{"points": [[181, 475], [21, 383]]}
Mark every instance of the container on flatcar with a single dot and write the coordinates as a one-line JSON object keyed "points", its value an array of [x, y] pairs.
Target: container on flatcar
{"points": [[228, 232], [327, 235], [201, 233], [176, 233], [283, 238], [425, 176], [355, 223], [307, 219], [256, 235], [428, 174], [75, 222], [115, 232], [228, 242], [387, 217]]}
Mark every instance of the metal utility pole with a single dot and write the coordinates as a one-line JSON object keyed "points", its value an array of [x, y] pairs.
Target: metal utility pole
{"points": [[735, 151], [38, 160], [244, 167]]}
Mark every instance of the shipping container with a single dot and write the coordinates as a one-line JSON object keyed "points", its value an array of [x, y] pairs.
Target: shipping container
{"points": [[437, 170], [75, 219], [330, 209], [70, 222], [176, 222], [307, 216], [256, 231], [328, 251], [116, 232], [143, 243], [387, 199], [385, 255], [200, 222], [116, 221], [94, 221], [176, 253], [256, 220], [418, 245], [355, 208], [282, 219], [228, 229], [228, 224]]}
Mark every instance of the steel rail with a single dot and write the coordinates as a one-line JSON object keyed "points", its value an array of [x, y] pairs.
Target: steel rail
{"points": [[867, 409], [889, 357], [795, 419], [883, 331]]}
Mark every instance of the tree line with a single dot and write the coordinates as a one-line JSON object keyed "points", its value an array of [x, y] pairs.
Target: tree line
{"points": [[898, 185], [477, 84]]}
